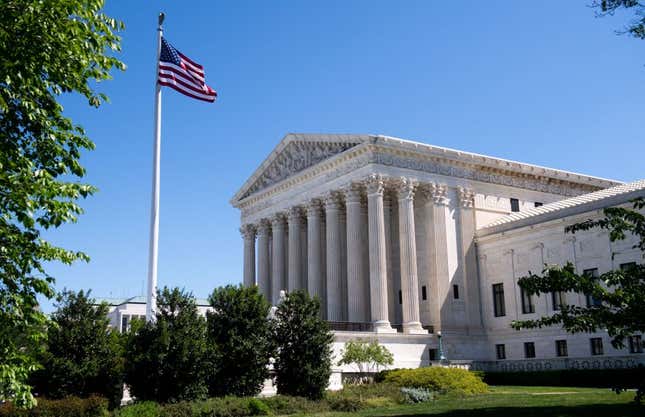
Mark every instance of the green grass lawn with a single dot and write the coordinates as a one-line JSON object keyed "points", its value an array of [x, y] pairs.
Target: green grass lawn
{"points": [[520, 402]]}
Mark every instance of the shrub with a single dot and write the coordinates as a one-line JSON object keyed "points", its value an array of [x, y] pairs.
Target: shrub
{"points": [[345, 404], [258, 408], [416, 395], [438, 379], [82, 355], [166, 359], [303, 363], [372, 391], [239, 341], [180, 409], [281, 404], [66, 407], [141, 409]]}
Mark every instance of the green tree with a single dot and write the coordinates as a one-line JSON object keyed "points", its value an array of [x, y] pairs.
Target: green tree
{"points": [[48, 47], [165, 360], [636, 27], [239, 341], [618, 308], [367, 356], [303, 341], [83, 354]]}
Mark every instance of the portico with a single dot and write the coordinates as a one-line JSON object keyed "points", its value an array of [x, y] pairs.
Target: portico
{"points": [[381, 229]]}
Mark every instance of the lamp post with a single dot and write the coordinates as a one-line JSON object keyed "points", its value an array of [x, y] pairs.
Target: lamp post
{"points": [[441, 356]]}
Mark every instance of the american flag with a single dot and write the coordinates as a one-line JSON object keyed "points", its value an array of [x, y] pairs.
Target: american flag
{"points": [[177, 71]]}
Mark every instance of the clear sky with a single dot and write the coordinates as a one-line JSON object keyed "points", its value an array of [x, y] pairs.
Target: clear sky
{"points": [[540, 82]]}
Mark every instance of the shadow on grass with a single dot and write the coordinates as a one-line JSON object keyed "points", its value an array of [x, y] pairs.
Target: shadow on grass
{"points": [[591, 410]]}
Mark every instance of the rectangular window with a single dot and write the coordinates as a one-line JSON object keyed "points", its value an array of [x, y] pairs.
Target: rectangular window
{"points": [[592, 302], [455, 292], [424, 294], [538, 204], [635, 344], [627, 265], [433, 354], [501, 351], [527, 302], [515, 204], [596, 346], [561, 348], [529, 350], [559, 300], [124, 324], [498, 300], [400, 297]]}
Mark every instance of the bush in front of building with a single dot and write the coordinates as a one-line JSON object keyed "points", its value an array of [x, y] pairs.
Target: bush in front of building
{"points": [[165, 360], [303, 341], [83, 355], [438, 379], [92, 406], [239, 341]]}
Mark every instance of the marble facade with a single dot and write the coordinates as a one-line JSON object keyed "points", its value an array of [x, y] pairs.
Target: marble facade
{"points": [[385, 232]]}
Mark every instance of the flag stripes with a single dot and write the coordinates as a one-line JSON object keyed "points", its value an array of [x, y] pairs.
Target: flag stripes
{"points": [[177, 71]]}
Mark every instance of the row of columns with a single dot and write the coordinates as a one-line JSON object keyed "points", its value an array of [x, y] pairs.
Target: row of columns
{"points": [[338, 255]]}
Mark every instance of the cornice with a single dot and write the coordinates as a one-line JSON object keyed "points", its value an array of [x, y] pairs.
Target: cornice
{"points": [[388, 155]]}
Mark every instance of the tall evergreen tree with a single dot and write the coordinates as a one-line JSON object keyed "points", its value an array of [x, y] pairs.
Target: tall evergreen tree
{"points": [[165, 360], [239, 341], [83, 354], [303, 341]]}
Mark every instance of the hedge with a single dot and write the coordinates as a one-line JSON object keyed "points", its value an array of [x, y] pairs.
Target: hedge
{"points": [[599, 378], [67, 407], [438, 379]]}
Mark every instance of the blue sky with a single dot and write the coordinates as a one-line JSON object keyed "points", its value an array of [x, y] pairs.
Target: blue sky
{"points": [[540, 82]]}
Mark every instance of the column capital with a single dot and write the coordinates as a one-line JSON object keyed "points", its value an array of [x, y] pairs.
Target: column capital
{"points": [[294, 214], [405, 188], [353, 193], [277, 220], [466, 197], [438, 193], [264, 227], [332, 200], [375, 184], [313, 207], [248, 231]]}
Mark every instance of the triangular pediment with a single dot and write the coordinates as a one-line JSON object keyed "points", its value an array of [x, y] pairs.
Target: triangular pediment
{"points": [[296, 153]]}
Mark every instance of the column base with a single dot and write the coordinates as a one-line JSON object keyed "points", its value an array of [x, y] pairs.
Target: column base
{"points": [[383, 326], [414, 327]]}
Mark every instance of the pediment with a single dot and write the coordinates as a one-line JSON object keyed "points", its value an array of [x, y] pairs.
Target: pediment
{"points": [[294, 154]]}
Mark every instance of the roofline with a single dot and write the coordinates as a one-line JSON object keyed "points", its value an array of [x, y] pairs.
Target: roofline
{"points": [[581, 208], [444, 152]]}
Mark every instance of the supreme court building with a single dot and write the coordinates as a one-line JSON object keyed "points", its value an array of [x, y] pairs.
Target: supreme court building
{"points": [[410, 244]]}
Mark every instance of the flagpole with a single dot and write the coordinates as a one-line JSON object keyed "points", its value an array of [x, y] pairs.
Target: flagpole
{"points": [[151, 304]]}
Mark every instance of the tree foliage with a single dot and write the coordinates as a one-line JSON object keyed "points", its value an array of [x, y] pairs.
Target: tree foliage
{"points": [[239, 341], [619, 294], [619, 308], [636, 27], [83, 354], [49, 47], [165, 360], [303, 340], [366, 356]]}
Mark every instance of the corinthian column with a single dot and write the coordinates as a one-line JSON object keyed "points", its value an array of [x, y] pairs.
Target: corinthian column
{"points": [[334, 273], [248, 232], [295, 273], [466, 236], [264, 271], [314, 251], [377, 255], [356, 274], [278, 264], [409, 278]]}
